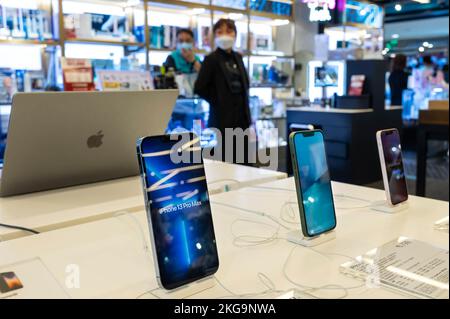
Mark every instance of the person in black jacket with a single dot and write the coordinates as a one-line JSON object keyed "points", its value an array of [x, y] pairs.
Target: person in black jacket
{"points": [[398, 80], [224, 83]]}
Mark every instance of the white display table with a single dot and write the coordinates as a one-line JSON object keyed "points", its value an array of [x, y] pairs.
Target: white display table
{"points": [[113, 262], [65, 207]]}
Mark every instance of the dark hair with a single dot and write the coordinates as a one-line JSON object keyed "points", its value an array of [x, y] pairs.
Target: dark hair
{"points": [[399, 63], [427, 60], [227, 22], [185, 30]]}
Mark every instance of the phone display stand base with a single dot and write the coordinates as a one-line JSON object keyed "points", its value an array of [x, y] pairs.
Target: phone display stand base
{"points": [[185, 291], [297, 237], [385, 207]]}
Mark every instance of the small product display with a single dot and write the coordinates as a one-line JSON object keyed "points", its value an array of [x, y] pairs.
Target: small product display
{"points": [[163, 37], [313, 183], [29, 279], [326, 76], [276, 7], [100, 26], [178, 209], [9, 282], [8, 85], [25, 23], [357, 85], [275, 74], [390, 151], [235, 4], [111, 80], [77, 74]]}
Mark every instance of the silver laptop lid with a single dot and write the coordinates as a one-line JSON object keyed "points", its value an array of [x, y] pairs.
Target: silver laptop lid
{"points": [[70, 138]]}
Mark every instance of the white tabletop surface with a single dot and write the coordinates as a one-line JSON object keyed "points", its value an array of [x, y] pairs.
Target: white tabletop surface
{"points": [[59, 208], [113, 262]]}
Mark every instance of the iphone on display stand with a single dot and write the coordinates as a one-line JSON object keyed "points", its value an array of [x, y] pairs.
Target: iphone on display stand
{"points": [[391, 160], [313, 183], [178, 210]]}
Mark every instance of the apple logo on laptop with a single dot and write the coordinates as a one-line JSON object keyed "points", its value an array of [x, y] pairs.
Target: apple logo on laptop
{"points": [[95, 141]]}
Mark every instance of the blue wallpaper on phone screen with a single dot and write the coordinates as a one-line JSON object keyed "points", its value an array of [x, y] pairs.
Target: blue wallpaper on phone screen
{"points": [[315, 183], [180, 212]]}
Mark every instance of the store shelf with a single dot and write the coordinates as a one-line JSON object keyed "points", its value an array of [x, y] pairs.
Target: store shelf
{"points": [[202, 52], [228, 9], [105, 42], [180, 3], [349, 26], [193, 5], [271, 118], [28, 41], [270, 86], [272, 16], [271, 55]]}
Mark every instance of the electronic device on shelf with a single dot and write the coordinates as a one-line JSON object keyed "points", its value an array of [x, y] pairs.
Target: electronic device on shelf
{"points": [[326, 76], [71, 138]]}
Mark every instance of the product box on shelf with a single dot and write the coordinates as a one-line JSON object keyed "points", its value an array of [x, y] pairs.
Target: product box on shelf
{"points": [[22, 23]]}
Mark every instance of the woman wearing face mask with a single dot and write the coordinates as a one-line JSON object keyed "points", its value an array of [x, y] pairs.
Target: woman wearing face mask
{"points": [[183, 60], [223, 82]]}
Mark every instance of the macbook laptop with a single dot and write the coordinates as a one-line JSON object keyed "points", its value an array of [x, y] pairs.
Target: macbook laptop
{"points": [[64, 139]]}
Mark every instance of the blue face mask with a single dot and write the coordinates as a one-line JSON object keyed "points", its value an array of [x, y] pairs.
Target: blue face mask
{"points": [[184, 46]]}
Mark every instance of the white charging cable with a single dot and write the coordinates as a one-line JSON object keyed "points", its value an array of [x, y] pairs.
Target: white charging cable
{"points": [[370, 203], [311, 289], [251, 240], [254, 212], [131, 217]]}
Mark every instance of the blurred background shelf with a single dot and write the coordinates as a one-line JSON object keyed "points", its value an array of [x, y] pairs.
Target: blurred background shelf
{"points": [[271, 86], [105, 42], [28, 42], [93, 29]]}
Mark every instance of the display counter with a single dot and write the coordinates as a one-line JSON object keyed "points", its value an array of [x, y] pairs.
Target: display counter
{"points": [[121, 245], [59, 208]]}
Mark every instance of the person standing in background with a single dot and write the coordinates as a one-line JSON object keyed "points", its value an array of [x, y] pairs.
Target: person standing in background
{"points": [[224, 83], [427, 77], [398, 79], [183, 60], [445, 71]]}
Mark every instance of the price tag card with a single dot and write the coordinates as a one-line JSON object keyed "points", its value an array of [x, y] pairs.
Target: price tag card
{"points": [[405, 265]]}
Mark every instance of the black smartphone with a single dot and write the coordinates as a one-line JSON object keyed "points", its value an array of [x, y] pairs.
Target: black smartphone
{"points": [[391, 160], [313, 183], [178, 209]]}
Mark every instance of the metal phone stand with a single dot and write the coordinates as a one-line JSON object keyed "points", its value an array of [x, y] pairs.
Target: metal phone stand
{"points": [[298, 238], [185, 291], [385, 207]]}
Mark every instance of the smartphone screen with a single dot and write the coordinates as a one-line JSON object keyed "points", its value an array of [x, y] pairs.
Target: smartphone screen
{"points": [[393, 161], [314, 184], [179, 209]]}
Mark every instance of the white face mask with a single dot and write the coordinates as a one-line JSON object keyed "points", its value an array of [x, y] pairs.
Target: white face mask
{"points": [[185, 46], [225, 42]]}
